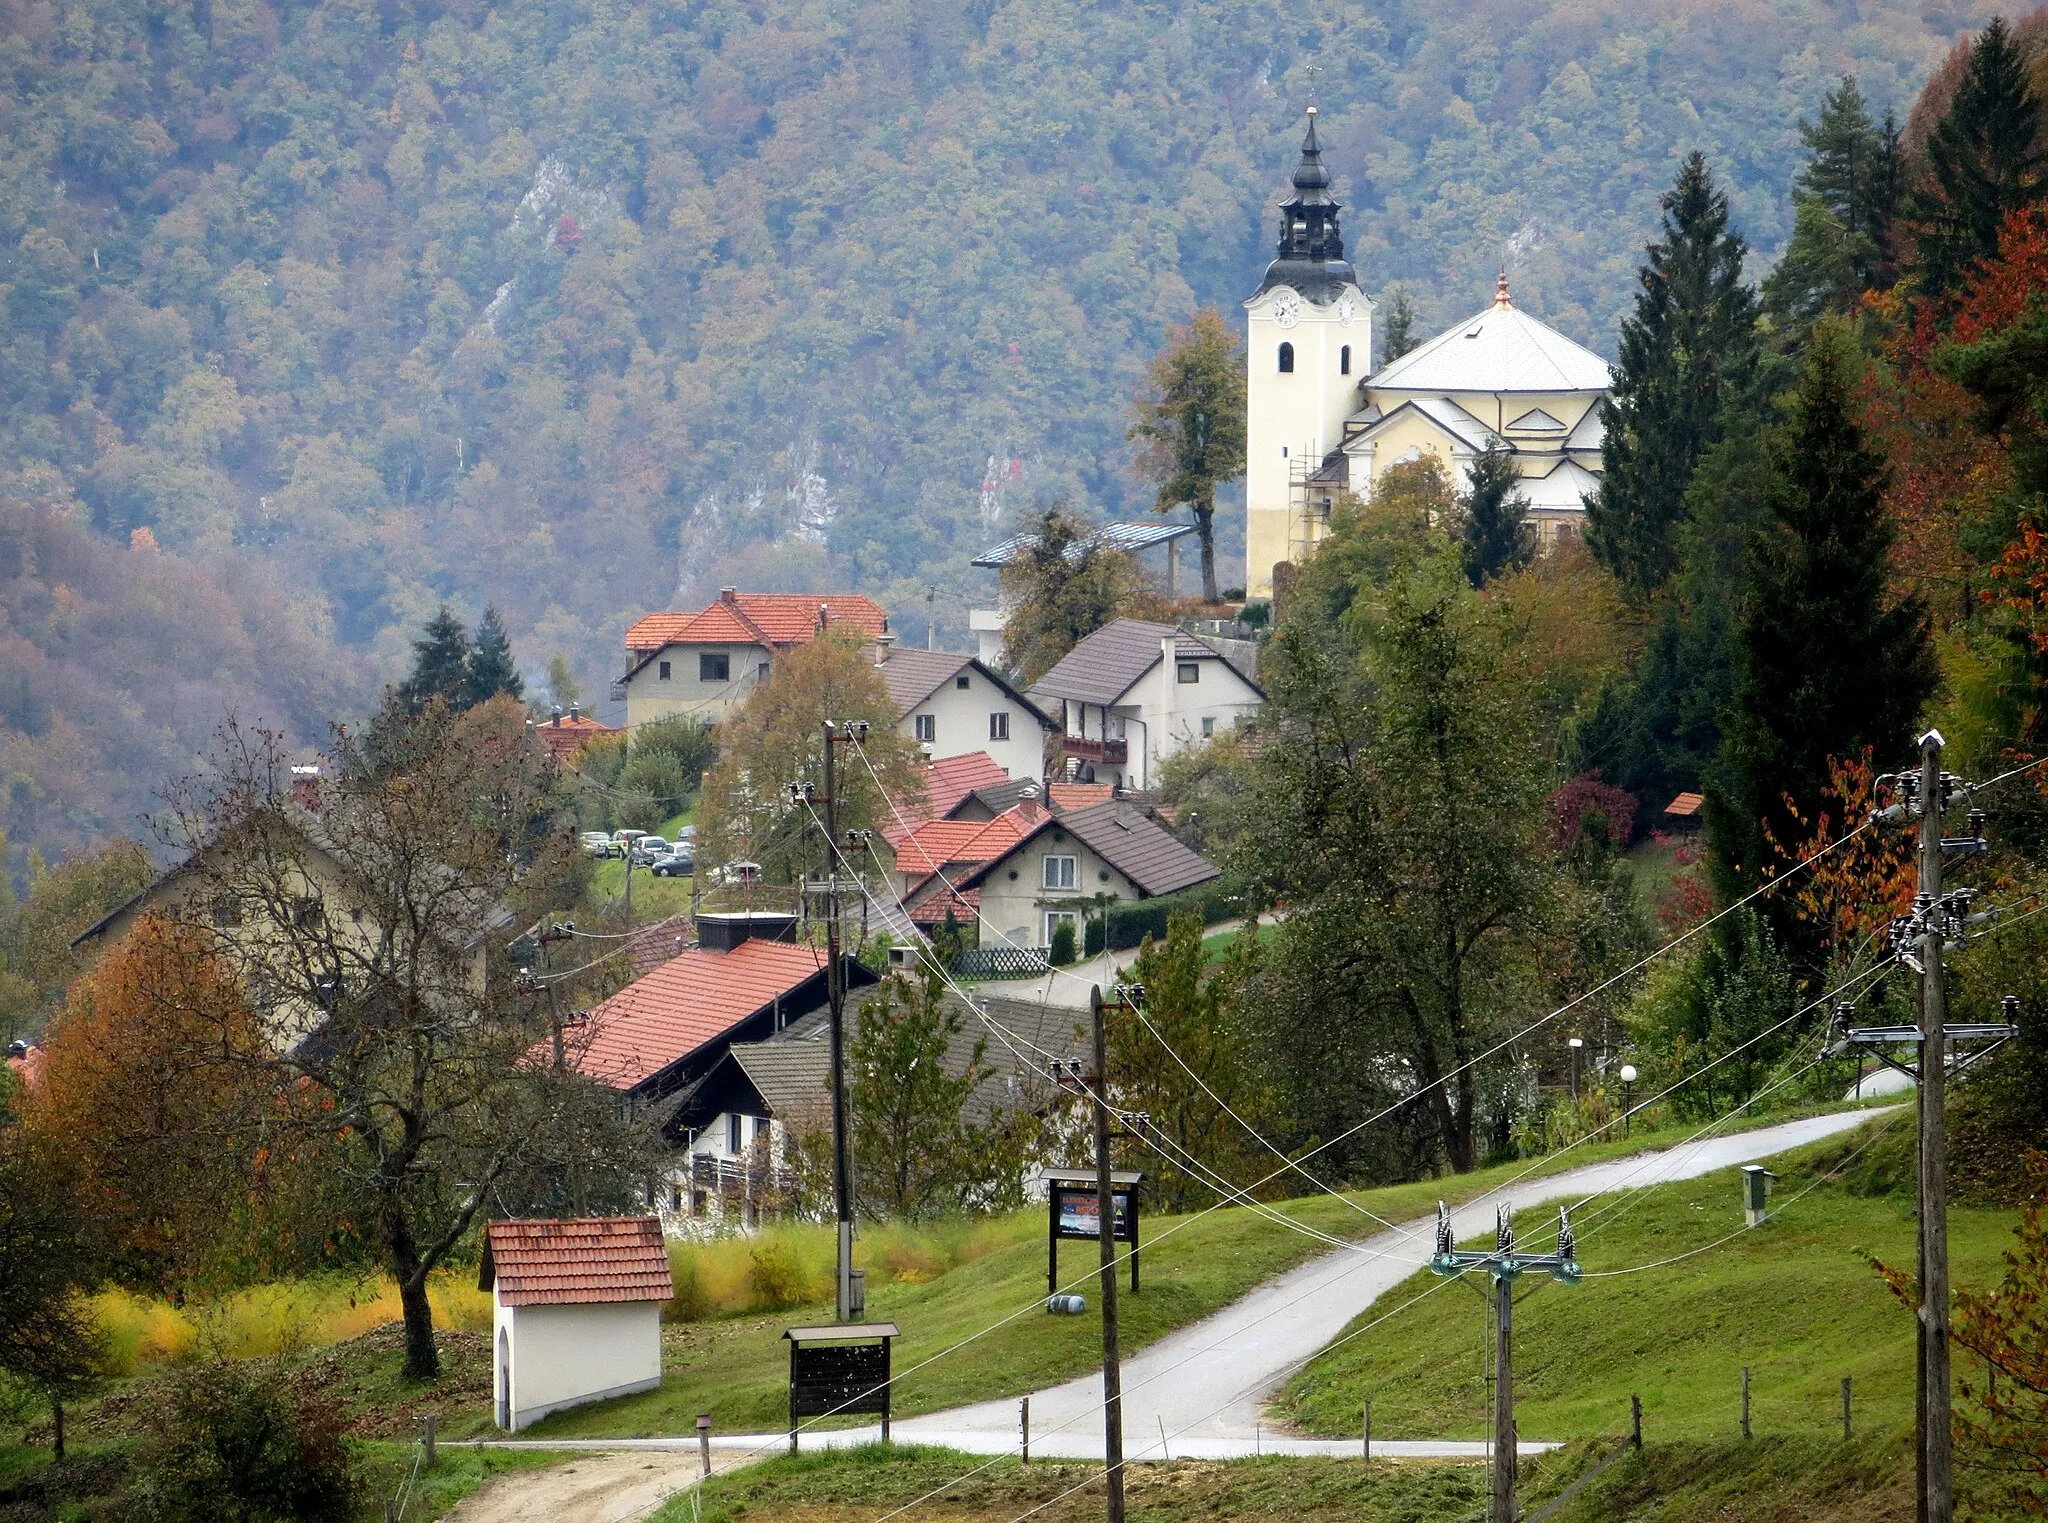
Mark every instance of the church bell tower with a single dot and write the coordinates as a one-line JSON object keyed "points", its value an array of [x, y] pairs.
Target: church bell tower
{"points": [[1308, 343]]}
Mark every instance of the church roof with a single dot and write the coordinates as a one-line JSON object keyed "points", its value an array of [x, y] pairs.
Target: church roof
{"points": [[1310, 252], [1500, 349], [1442, 411], [1563, 487]]}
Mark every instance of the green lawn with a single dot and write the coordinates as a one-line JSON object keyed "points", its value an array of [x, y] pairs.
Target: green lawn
{"points": [[737, 1368], [1795, 1300], [653, 898]]}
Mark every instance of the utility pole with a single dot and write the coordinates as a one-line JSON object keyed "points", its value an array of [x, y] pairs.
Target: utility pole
{"points": [[1940, 919], [1105, 1236], [1506, 1266]]}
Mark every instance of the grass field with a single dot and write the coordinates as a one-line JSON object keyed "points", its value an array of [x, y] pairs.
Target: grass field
{"points": [[736, 1368], [1765, 1481], [1795, 1300]]}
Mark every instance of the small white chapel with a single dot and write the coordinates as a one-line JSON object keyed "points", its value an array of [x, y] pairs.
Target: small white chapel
{"points": [[1320, 421]]}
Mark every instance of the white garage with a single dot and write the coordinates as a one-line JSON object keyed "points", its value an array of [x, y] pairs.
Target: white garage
{"points": [[576, 1311]]}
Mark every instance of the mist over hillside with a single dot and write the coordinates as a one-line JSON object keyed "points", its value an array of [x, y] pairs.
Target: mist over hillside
{"points": [[583, 309]]}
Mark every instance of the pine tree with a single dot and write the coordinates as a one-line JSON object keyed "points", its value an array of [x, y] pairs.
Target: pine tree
{"points": [[1984, 162], [1827, 661], [1844, 204], [1688, 353], [440, 665], [1497, 537], [1397, 335], [491, 668], [1191, 419]]}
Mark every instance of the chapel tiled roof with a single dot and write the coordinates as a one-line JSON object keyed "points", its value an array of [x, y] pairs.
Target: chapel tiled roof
{"points": [[757, 618], [1101, 668], [578, 1261], [1502, 349], [690, 1000]]}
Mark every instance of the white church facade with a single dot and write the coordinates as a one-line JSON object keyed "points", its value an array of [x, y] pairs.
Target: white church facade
{"points": [[1319, 421]]}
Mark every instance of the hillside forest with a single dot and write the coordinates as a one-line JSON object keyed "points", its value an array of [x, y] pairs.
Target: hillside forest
{"points": [[318, 314]]}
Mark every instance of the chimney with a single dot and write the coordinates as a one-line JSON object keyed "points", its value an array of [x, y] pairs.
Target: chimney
{"points": [[722, 932], [555, 716], [882, 643], [728, 594], [824, 616], [306, 787]]}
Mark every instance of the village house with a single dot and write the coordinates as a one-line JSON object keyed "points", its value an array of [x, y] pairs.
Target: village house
{"points": [[1135, 693], [704, 664], [747, 979], [575, 1312], [565, 735], [952, 705]]}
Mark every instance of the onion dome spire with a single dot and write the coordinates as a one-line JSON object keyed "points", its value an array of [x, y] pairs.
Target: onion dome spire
{"points": [[1311, 245]]}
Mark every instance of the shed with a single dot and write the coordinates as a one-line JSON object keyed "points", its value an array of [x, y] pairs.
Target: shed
{"points": [[576, 1311]]}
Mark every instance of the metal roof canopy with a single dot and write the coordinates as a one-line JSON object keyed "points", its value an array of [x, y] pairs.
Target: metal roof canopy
{"points": [[843, 1330], [1131, 537], [1087, 1176]]}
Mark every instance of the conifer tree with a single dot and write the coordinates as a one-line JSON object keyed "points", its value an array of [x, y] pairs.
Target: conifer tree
{"points": [[1497, 537], [1688, 353], [440, 665], [1397, 333], [1827, 660], [1844, 205], [1984, 161], [491, 668]]}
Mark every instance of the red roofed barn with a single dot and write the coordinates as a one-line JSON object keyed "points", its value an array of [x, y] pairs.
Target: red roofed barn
{"points": [[705, 663], [576, 1311]]}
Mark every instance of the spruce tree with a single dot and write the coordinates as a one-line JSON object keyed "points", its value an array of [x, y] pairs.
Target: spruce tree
{"points": [[1984, 162], [491, 668], [440, 665], [1497, 536], [1688, 353], [1397, 332], [1843, 208], [1827, 660]]}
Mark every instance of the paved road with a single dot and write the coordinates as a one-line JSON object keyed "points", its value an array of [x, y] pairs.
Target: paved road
{"points": [[1207, 1386]]}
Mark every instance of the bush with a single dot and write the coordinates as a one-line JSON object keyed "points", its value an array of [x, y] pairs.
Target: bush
{"points": [[1130, 924], [241, 1440], [1063, 943], [775, 1275]]}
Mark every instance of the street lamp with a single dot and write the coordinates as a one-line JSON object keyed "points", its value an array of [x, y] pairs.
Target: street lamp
{"points": [[1628, 1096], [1576, 1044]]}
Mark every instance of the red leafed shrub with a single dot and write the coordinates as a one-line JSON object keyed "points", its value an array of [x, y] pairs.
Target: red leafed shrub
{"points": [[1587, 811]]}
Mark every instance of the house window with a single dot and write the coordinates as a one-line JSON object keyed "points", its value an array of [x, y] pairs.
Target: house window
{"points": [[226, 912], [963, 682], [927, 728], [761, 672], [999, 726], [733, 1142], [1054, 919], [700, 1204], [1059, 872], [309, 912], [1344, 360], [1208, 724], [1287, 359], [1188, 671], [714, 666], [666, 671]]}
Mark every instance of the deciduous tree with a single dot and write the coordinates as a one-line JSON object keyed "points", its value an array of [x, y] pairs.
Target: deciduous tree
{"points": [[1190, 421], [1060, 588]]}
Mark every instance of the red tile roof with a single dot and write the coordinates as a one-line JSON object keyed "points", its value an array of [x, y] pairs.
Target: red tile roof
{"points": [[932, 845], [563, 1263], [946, 783], [1686, 804], [570, 733], [756, 618], [1079, 795], [931, 910], [693, 998]]}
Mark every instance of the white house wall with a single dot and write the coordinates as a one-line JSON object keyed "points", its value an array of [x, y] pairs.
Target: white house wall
{"points": [[960, 720], [564, 1356], [1011, 906]]}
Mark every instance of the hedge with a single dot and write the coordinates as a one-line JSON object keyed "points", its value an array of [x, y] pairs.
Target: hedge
{"points": [[1130, 924]]}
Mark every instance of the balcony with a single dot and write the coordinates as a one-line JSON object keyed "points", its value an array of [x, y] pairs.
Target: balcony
{"points": [[1081, 748]]}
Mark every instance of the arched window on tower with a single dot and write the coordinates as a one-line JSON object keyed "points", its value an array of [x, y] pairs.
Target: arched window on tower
{"points": [[1344, 360], [1287, 359]]}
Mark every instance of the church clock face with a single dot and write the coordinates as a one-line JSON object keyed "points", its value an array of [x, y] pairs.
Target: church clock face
{"points": [[1347, 309], [1286, 307]]}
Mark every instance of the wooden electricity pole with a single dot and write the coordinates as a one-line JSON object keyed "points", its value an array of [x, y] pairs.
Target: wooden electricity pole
{"points": [[1505, 1449], [1937, 1500], [1105, 1236]]}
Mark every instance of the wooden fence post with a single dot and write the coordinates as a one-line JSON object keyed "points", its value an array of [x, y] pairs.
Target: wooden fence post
{"points": [[1745, 1401]]}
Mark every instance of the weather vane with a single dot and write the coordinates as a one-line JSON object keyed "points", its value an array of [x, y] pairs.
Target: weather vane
{"points": [[1312, 70]]}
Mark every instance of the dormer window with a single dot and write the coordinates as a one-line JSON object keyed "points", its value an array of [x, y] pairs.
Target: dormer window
{"points": [[1287, 359]]}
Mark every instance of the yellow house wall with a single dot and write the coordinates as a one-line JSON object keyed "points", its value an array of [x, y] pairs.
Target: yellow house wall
{"points": [[649, 697]]}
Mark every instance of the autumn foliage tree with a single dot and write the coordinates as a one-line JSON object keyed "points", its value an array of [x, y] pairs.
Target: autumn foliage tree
{"points": [[1190, 420]]}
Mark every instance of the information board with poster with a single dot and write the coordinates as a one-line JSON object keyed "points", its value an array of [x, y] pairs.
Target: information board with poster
{"points": [[1075, 1214], [836, 1370]]}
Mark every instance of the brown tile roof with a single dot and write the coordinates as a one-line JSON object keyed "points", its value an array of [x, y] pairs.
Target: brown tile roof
{"points": [[1685, 804], [564, 1263], [1140, 849], [690, 1000], [1064, 796], [756, 618], [1101, 669], [566, 735], [914, 675]]}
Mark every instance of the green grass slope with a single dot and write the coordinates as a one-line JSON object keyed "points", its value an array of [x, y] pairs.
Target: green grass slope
{"points": [[1795, 1300]]}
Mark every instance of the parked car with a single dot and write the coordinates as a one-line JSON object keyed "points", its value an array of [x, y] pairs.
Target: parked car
{"points": [[622, 841], [735, 873], [596, 843], [647, 849], [679, 863], [686, 832]]}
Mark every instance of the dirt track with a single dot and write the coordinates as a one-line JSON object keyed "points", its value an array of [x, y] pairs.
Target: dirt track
{"points": [[593, 1488]]}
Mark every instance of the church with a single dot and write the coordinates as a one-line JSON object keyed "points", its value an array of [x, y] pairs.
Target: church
{"points": [[1320, 421]]}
